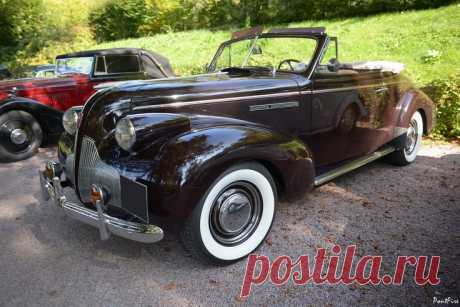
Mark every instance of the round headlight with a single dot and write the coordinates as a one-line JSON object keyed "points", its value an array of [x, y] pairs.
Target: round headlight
{"points": [[125, 134], [70, 120]]}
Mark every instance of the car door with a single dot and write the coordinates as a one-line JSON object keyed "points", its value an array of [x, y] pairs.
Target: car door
{"points": [[345, 106], [58, 93]]}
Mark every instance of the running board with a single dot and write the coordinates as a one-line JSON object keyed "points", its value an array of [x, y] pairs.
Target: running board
{"points": [[352, 165]]}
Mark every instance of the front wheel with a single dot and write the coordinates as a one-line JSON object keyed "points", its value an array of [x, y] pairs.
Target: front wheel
{"points": [[234, 216], [407, 155], [20, 136]]}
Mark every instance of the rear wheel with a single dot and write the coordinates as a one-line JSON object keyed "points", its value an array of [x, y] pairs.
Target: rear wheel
{"points": [[20, 136], [407, 155], [234, 216]]}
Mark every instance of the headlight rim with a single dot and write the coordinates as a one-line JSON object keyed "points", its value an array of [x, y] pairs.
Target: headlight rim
{"points": [[125, 144], [77, 113]]}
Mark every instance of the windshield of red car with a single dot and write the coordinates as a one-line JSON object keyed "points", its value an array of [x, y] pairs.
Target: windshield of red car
{"points": [[280, 53], [79, 65]]}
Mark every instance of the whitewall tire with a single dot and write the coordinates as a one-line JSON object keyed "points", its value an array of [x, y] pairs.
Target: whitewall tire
{"points": [[234, 216], [409, 152]]}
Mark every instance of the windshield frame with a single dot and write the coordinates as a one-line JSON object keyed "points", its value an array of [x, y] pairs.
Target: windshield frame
{"points": [[211, 68], [90, 74]]}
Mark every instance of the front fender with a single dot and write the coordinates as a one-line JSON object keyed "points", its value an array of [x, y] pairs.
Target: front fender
{"points": [[49, 119], [187, 165]]}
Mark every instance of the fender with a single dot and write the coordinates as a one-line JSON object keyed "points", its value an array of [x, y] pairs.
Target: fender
{"points": [[187, 166], [415, 100], [49, 118]]}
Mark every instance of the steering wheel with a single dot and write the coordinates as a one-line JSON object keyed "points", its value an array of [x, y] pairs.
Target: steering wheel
{"points": [[288, 61]]}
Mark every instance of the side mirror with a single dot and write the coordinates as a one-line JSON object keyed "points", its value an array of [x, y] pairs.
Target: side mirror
{"points": [[333, 65]]}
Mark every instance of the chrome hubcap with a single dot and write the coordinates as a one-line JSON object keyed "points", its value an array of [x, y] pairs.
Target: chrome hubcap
{"points": [[236, 213], [412, 137], [18, 136]]}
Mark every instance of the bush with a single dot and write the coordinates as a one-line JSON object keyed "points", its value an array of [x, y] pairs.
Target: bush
{"points": [[20, 25], [117, 19], [446, 95], [29, 27]]}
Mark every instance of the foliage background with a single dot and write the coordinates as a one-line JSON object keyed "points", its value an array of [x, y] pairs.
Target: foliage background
{"points": [[157, 16], [416, 32]]}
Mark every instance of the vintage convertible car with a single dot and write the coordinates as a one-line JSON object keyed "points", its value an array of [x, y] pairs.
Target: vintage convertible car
{"points": [[31, 109], [208, 156]]}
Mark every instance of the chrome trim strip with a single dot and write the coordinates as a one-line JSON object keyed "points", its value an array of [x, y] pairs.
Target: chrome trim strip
{"points": [[216, 100], [321, 179], [350, 88], [273, 106], [145, 233], [230, 99], [342, 89]]}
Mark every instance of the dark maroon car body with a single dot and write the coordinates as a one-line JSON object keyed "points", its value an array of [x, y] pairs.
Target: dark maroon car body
{"points": [[190, 130]]}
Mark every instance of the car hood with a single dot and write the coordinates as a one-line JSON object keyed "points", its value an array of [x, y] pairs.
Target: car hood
{"points": [[28, 83], [180, 91], [176, 95]]}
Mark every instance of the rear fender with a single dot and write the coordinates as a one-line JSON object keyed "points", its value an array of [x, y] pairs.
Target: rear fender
{"points": [[410, 102]]}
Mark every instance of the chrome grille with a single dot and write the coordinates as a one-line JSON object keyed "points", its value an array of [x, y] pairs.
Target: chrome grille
{"points": [[92, 170], [70, 168]]}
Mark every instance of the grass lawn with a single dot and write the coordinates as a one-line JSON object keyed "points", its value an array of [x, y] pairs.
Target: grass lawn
{"points": [[427, 41]]}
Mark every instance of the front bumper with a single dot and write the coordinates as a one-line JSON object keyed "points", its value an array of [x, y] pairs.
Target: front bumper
{"points": [[52, 189]]}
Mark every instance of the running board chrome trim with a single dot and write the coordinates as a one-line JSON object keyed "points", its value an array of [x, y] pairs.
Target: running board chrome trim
{"points": [[352, 165]]}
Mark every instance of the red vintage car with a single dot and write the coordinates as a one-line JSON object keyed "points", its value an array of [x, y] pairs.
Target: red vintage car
{"points": [[31, 109]]}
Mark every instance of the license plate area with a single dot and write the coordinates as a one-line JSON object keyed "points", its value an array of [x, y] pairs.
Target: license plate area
{"points": [[134, 198]]}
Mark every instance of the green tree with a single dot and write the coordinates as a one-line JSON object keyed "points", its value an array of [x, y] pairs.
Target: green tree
{"points": [[20, 21], [118, 19]]}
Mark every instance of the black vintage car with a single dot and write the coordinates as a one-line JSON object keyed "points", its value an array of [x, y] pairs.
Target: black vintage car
{"points": [[210, 155]]}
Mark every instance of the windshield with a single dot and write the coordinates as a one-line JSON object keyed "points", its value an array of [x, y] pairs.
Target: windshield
{"points": [[82, 65], [280, 53]]}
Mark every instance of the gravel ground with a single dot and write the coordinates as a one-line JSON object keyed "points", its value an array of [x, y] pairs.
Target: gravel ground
{"points": [[47, 259]]}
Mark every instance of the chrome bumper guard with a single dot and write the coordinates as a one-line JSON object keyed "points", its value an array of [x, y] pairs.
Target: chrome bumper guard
{"points": [[52, 189]]}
